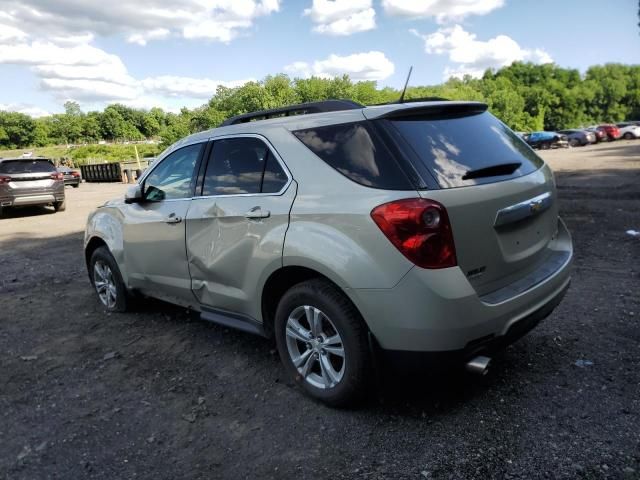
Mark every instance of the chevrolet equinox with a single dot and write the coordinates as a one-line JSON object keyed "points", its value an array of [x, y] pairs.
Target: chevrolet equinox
{"points": [[406, 230]]}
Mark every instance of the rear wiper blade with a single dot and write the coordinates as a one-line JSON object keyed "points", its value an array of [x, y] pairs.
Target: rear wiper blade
{"points": [[492, 171]]}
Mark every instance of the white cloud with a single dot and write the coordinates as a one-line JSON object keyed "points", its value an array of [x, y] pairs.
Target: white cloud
{"points": [[30, 110], [359, 66], [143, 38], [140, 22], [8, 32], [472, 56], [70, 69], [441, 10], [200, 88], [341, 17]]}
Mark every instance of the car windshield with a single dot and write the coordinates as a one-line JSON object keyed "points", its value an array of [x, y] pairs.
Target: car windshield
{"points": [[454, 148], [10, 167]]}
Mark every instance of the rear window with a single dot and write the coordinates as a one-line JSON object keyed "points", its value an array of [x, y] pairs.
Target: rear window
{"points": [[355, 151], [10, 167], [452, 147]]}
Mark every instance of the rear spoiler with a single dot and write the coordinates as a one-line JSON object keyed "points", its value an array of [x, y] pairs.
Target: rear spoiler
{"points": [[430, 109]]}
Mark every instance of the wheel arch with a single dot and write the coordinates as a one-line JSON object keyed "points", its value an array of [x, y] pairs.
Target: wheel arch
{"points": [[282, 280], [92, 245]]}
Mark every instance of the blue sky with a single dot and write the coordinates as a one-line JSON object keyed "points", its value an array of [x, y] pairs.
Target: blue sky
{"points": [[170, 53]]}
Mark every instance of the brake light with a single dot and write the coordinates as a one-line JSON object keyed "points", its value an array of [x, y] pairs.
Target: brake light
{"points": [[420, 229], [4, 179], [57, 176], [75, 174]]}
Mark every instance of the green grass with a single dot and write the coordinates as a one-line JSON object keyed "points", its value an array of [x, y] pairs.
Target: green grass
{"points": [[88, 153]]}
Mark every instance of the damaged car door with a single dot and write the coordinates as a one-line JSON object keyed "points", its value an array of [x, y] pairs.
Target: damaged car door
{"points": [[237, 224]]}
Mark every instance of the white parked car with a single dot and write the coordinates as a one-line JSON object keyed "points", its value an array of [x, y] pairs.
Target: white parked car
{"points": [[629, 132]]}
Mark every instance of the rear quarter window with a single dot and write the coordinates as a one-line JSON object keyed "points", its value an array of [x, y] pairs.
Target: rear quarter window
{"points": [[356, 151], [452, 146]]}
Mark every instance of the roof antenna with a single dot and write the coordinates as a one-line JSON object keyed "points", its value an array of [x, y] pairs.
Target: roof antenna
{"points": [[404, 90]]}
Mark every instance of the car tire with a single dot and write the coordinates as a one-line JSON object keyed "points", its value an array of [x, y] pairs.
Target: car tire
{"points": [[75, 185], [60, 206], [574, 142], [107, 280], [334, 367], [545, 146], [628, 136]]}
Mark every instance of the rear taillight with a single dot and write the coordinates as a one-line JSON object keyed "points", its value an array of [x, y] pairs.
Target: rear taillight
{"points": [[4, 179], [57, 176], [75, 174], [420, 229]]}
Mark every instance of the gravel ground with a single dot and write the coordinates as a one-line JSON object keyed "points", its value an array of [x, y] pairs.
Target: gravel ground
{"points": [[158, 394]]}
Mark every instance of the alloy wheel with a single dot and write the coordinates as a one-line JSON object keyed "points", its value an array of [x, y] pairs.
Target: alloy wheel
{"points": [[315, 347], [105, 284]]}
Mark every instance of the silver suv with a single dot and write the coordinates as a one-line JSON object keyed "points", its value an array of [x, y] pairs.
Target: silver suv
{"points": [[30, 181], [400, 231]]}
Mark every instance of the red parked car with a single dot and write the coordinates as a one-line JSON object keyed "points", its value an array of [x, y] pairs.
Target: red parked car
{"points": [[612, 131]]}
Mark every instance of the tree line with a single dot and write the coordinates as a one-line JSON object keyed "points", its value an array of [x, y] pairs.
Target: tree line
{"points": [[525, 96]]}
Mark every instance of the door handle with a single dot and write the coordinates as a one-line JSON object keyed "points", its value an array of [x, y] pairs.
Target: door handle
{"points": [[173, 218], [257, 213]]}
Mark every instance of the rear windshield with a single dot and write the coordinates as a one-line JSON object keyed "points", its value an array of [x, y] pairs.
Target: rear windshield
{"points": [[26, 166], [452, 147]]}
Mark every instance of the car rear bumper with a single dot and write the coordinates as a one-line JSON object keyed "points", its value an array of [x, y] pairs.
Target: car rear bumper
{"points": [[439, 311], [487, 346], [33, 198]]}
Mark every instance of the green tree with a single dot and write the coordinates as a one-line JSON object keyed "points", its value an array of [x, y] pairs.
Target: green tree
{"points": [[112, 124], [18, 129]]}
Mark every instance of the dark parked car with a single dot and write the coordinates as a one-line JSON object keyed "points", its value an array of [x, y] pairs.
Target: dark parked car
{"points": [[30, 181], [579, 137], [546, 140], [71, 177], [612, 131]]}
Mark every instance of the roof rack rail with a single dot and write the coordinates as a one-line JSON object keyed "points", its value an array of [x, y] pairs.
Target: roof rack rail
{"points": [[300, 109]]}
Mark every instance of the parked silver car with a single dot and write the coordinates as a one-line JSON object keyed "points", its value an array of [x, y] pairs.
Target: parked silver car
{"points": [[402, 230], [30, 181]]}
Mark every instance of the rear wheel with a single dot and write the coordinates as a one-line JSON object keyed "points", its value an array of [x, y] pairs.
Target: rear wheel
{"points": [[60, 206], [574, 142], [628, 136], [106, 279], [322, 342], [545, 146], [75, 185]]}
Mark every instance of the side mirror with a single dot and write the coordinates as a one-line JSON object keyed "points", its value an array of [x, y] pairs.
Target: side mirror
{"points": [[133, 194]]}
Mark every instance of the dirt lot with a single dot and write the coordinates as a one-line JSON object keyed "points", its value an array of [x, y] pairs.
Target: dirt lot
{"points": [[157, 394]]}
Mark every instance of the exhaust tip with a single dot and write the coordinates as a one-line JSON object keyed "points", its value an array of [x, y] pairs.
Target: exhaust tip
{"points": [[478, 365]]}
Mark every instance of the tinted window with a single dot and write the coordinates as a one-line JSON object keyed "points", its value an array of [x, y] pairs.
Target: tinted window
{"points": [[242, 165], [356, 151], [274, 177], [453, 146], [172, 178], [26, 166]]}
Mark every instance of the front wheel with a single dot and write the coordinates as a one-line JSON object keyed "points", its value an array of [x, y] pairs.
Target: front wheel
{"points": [[106, 279], [574, 142], [628, 136], [322, 341]]}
